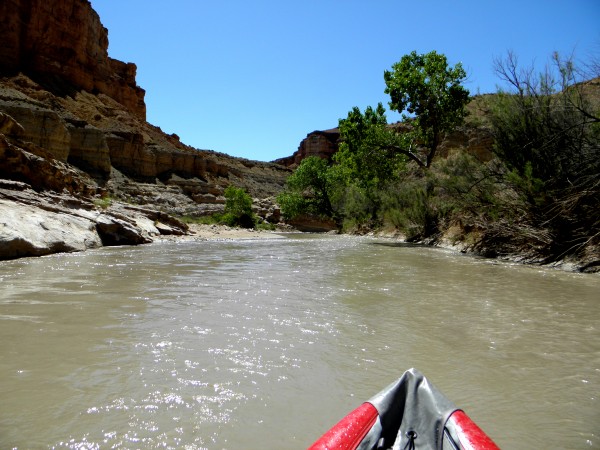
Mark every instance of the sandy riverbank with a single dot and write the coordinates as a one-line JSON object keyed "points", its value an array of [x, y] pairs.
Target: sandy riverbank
{"points": [[200, 232]]}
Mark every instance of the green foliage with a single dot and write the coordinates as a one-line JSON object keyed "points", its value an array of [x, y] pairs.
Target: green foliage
{"points": [[237, 201], [103, 202], [367, 154], [546, 126], [539, 195], [407, 209], [525, 183], [432, 94], [372, 155], [416, 207], [547, 132], [238, 208], [265, 226], [308, 190], [292, 204], [367, 160], [356, 207]]}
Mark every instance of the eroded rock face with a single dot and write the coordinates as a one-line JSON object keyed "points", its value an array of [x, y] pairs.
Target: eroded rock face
{"points": [[63, 44], [89, 149], [34, 224], [34, 165], [322, 144], [41, 126], [97, 135]]}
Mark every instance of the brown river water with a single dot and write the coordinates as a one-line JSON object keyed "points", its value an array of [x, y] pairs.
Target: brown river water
{"points": [[264, 344]]}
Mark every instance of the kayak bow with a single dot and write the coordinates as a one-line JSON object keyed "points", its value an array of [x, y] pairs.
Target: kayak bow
{"points": [[410, 413]]}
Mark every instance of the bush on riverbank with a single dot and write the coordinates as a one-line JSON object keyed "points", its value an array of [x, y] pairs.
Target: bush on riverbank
{"points": [[237, 213]]}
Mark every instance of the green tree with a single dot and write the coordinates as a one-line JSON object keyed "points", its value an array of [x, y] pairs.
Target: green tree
{"points": [[424, 86], [367, 154], [372, 154], [238, 208], [307, 190], [367, 161]]}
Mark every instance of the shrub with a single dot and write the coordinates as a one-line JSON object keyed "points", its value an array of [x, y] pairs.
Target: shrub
{"points": [[238, 208], [103, 202], [355, 206], [413, 208]]}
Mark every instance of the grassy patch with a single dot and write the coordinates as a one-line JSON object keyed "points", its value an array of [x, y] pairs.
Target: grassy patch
{"points": [[103, 202]]}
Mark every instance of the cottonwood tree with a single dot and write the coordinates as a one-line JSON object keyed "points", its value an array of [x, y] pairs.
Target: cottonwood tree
{"points": [[367, 153], [371, 152], [429, 94]]}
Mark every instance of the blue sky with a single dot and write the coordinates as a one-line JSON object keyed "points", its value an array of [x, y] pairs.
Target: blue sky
{"points": [[251, 78]]}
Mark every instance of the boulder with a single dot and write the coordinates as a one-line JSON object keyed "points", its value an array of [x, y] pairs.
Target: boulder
{"points": [[26, 230], [117, 231]]}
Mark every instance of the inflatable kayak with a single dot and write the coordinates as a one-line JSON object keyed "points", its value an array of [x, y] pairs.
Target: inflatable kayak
{"points": [[409, 414]]}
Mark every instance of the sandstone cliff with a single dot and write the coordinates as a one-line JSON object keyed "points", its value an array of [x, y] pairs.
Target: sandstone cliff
{"points": [[63, 45], [73, 130], [318, 143]]}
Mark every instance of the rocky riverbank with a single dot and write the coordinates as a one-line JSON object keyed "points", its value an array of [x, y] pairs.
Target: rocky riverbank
{"points": [[40, 223]]}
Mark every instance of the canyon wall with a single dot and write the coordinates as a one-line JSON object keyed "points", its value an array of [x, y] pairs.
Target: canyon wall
{"points": [[78, 106], [62, 45]]}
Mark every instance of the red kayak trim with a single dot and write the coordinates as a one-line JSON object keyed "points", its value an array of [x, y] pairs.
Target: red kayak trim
{"points": [[470, 436], [350, 431]]}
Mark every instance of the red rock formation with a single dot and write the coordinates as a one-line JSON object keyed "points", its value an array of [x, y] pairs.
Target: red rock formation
{"points": [[318, 143], [63, 45]]}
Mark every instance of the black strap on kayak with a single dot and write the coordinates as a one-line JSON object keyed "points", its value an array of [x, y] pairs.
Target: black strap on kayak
{"points": [[448, 437], [412, 437]]}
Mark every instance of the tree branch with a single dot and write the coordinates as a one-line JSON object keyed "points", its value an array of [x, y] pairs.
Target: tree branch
{"points": [[408, 153]]}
